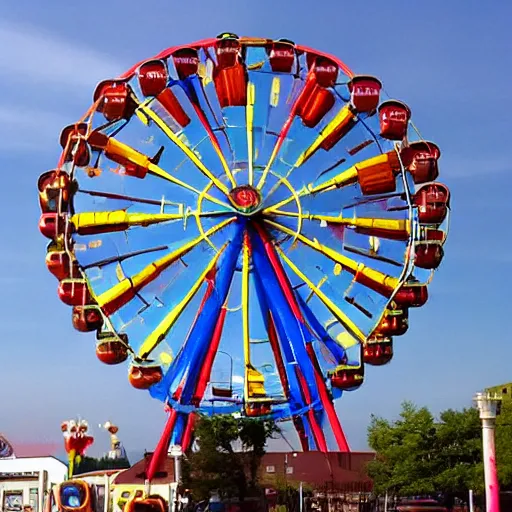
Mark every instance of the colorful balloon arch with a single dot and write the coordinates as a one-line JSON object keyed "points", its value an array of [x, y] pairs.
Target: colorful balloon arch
{"points": [[248, 223]]}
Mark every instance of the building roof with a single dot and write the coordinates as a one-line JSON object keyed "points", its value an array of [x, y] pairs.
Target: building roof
{"points": [[136, 475], [56, 469], [338, 470], [36, 449], [99, 472], [19, 461], [505, 390]]}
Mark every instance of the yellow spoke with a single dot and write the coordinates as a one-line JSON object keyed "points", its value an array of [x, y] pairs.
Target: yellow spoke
{"points": [[331, 306], [263, 178], [99, 222], [349, 264], [319, 285], [384, 164], [191, 155], [215, 143], [116, 150], [161, 331], [387, 225], [88, 223], [342, 122], [351, 175], [284, 132], [245, 311], [122, 292], [338, 127], [249, 114]]}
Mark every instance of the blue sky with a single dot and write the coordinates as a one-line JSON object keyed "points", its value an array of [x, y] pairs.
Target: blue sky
{"points": [[449, 60]]}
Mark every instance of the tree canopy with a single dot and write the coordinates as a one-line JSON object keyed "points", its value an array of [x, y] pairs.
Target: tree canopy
{"points": [[417, 455], [88, 464], [228, 456]]}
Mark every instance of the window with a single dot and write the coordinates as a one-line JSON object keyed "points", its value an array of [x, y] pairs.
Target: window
{"points": [[289, 470], [271, 469], [504, 391], [13, 501]]}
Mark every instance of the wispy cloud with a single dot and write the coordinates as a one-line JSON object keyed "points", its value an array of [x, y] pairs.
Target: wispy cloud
{"points": [[460, 167], [31, 54], [22, 129], [45, 75]]}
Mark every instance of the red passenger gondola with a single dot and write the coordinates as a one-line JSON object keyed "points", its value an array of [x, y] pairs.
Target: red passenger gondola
{"points": [[112, 349], [74, 292], [144, 376], [60, 264], [73, 142], [378, 351], [257, 409], [411, 296], [316, 99], [364, 92], [54, 191], [394, 119], [153, 77], [87, 318], [433, 201], [186, 62], [395, 322], [347, 377], [421, 158], [229, 76], [428, 251], [52, 225], [281, 55], [115, 100]]}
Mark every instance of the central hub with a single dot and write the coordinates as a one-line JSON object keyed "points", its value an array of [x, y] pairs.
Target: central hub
{"points": [[245, 198]]}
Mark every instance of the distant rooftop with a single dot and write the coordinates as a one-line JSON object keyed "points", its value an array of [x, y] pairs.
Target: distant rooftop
{"points": [[36, 449], [505, 390]]}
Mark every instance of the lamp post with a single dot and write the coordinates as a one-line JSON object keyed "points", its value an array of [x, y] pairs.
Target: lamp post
{"points": [[230, 368], [294, 454], [488, 405], [176, 452]]}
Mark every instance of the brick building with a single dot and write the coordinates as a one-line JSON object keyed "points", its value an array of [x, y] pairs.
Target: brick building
{"points": [[343, 472]]}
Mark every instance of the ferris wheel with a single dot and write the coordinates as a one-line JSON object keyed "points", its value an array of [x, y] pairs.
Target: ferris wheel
{"points": [[248, 224]]}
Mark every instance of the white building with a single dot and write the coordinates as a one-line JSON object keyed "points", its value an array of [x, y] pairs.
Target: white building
{"points": [[26, 480]]}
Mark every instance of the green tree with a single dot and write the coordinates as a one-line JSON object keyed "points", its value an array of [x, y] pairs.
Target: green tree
{"points": [[416, 455], [88, 464], [458, 451], [504, 444], [217, 465], [404, 462]]}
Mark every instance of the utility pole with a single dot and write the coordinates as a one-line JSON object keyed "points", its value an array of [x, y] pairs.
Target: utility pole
{"points": [[488, 406], [286, 474]]}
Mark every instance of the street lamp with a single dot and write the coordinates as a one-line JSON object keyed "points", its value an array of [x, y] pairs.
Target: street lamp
{"points": [[176, 452], [294, 454], [488, 406]]}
